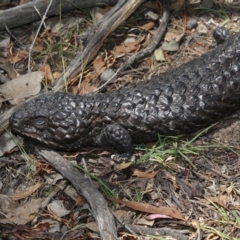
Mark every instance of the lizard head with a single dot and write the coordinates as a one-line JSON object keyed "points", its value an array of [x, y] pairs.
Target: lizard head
{"points": [[53, 120]]}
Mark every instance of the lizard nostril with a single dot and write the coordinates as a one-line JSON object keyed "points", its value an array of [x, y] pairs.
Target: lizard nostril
{"points": [[13, 121]]}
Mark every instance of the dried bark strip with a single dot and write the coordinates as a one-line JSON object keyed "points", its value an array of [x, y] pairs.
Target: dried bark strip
{"points": [[26, 13], [155, 40], [176, 234], [100, 210]]}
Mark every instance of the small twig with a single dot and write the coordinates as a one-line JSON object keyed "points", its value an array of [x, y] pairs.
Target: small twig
{"points": [[109, 80], [9, 32], [177, 234], [39, 14], [35, 38], [155, 40]]}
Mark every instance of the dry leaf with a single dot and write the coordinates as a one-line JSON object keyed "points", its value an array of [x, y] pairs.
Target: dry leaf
{"points": [[6, 143], [221, 200], [22, 214], [21, 55], [22, 87], [26, 192], [56, 75], [85, 88], [159, 56], [6, 204], [92, 226], [125, 48], [174, 44], [122, 165], [43, 167], [99, 65], [148, 26], [196, 224], [170, 36], [141, 174], [144, 207], [144, 221], [98, 13], [8, 67], [48, 72], [57, 208], [38, 48]]}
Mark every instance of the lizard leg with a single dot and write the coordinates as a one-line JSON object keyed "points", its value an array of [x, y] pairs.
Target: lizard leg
{"points": [[116, 136]]}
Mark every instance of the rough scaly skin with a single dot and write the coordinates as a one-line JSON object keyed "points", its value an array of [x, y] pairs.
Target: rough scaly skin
{"points": [[180, 101]]}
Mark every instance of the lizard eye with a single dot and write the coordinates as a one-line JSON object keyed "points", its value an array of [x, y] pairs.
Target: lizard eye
{"points": [[40, 121]]}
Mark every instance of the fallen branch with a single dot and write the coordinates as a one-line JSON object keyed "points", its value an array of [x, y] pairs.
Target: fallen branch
{"points": [[100, 211], [155, 40], [26, 13]]}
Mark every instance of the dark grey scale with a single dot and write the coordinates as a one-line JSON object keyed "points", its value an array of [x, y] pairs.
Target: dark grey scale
{"points": [[153, 121], [123, 116], [135, 121], [52, 129], [128, 98], [235, 68], [207, 71], [118, 136], [180, 99], [184, 78], [180, 88], [112, 110], [58, 116], [207, 87], [80, 105], [94, 114], [71, 119], [154, 86], [217, 88], [71, 130], [118, 98], [141, 113], [102, 106], [157, 91], [89, 105], [164, 100], [138, 97], [176, 110], [47, 134], [81, 112], [151, 99], [60, 132], [168, 90], [195, 75], [128, 105], [194, 90]]}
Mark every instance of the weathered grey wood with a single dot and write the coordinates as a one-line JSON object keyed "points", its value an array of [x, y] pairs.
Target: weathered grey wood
{"points": [[99, 206], [26, 13], [155, 40]]}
